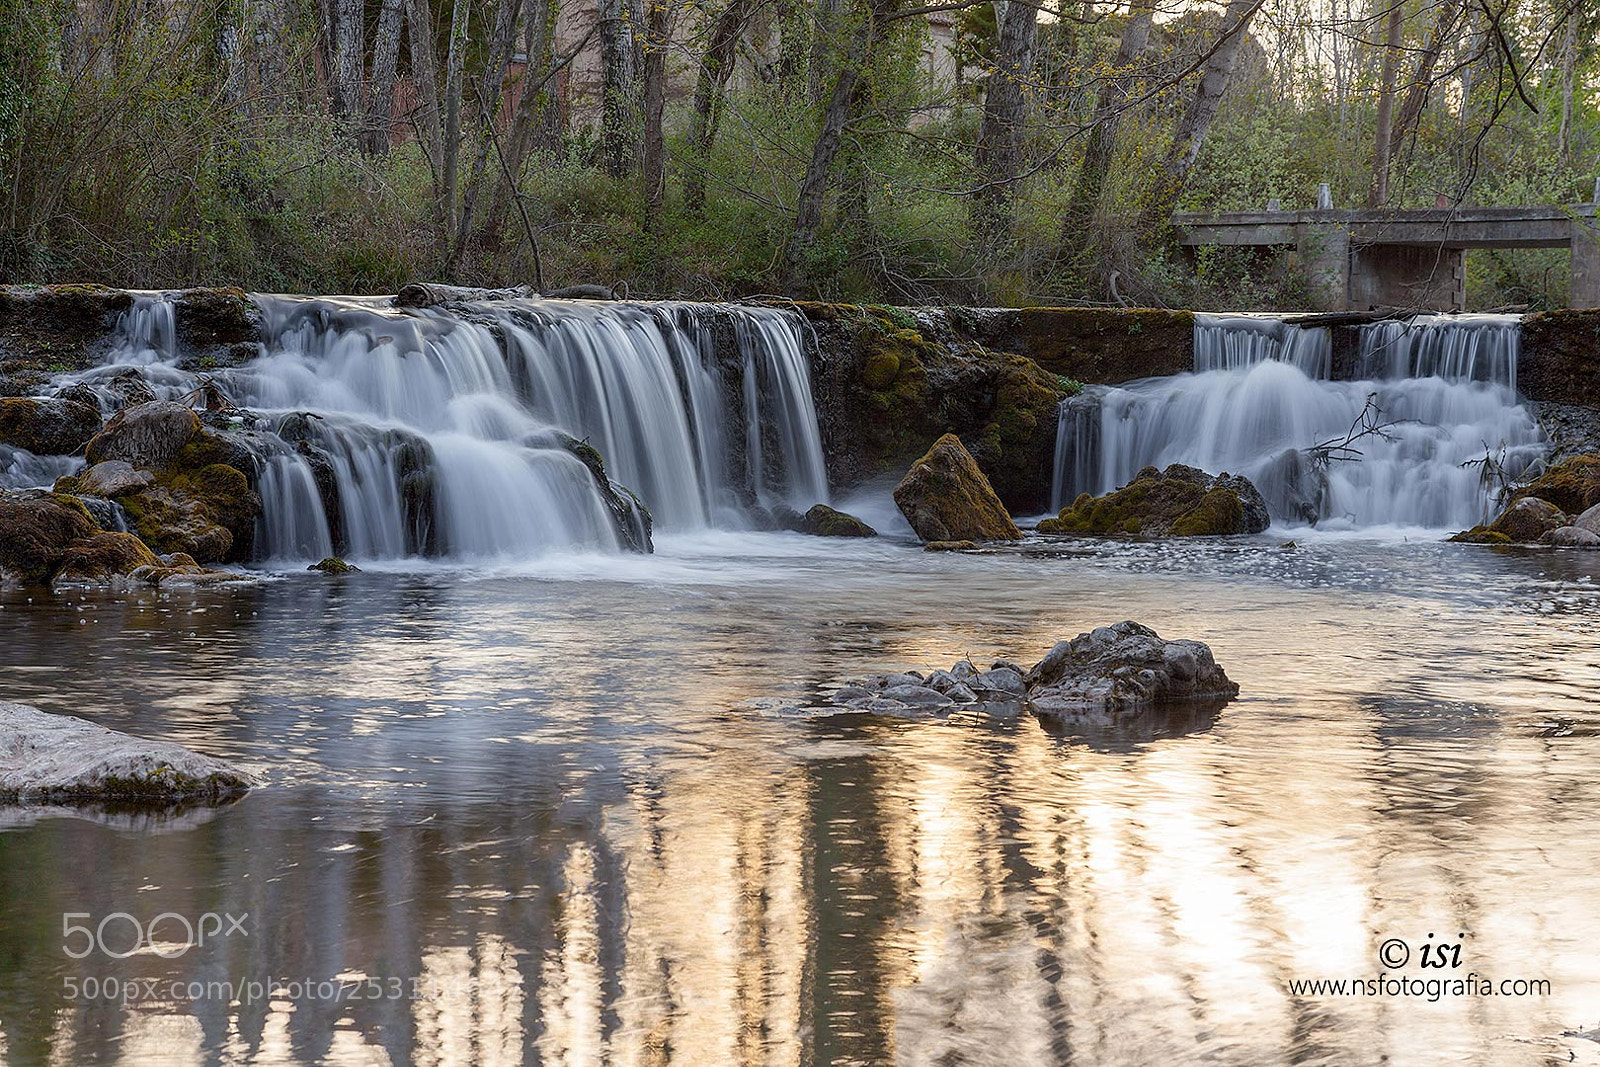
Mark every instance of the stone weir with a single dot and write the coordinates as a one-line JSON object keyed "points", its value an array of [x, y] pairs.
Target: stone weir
{"points": [[881, 384]]}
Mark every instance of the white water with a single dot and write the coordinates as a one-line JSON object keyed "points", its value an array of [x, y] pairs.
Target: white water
{"points": [[442, 431], [1443, 388]]}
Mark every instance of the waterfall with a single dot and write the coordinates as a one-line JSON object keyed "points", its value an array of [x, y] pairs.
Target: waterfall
{"points": [[381, 433], [1442, 388]]}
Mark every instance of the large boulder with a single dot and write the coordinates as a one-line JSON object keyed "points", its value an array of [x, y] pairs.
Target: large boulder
{"points": [[48, 758], [1115, 668], [36, 530], [1123, 669], [184, 487], [823, 521], [1573, 485], [1524, 522], [147, 435], [47, 427], [945, 497], [1180, 501]]}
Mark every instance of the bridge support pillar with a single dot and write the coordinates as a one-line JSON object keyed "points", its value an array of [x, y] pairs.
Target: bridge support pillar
{"points": [[1583, 290], [1407, 276], [1323, 254]]}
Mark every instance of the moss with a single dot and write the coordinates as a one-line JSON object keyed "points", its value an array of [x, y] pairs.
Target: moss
{"points": [[1572, 485], [47, 427], [1102, 345], [215, 317], [36, 529], [198, 512], [334, 565], [103, 556], [1220, 511], [1171, 503], [1481, 535], [883, 367]]}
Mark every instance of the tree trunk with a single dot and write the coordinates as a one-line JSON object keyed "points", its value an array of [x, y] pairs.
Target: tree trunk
{"points": [[715, 70], [1005, 106], [1101, 149], [380, 96], [814, 185], [618, 88], [538, 26], [347, 54], [455, 58], [658, 31], [1190, 136], [1421, 85], [1391, 74], [1569, 58], [823, 26], [485, 108], [230, 57], [425, 78]]}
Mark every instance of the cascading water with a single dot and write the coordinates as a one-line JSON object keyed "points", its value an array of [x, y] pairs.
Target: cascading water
{"points": [[380, 433], [1440, 390]]}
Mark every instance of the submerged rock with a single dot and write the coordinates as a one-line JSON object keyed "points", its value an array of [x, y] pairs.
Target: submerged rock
{"points": [[334, 565], [1121, 669], [47, 427], [823, 521], [945, 497], [1180, 501], [950, 546], [54, 758]]}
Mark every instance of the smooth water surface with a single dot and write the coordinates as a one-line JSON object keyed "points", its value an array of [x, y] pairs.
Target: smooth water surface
{"points": [[577, 814]]}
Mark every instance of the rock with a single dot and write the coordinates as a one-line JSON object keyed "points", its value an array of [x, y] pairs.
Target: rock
{"points": [[1589, 520], [1110, 671], [823, 521], [786, 518], [950, 546], [47, 427], [1180, 501], [1524, 522], [108, 479], [946, 497], [1124, 666], [36, 530], [208, 513], [103, 557], [915, 694], [1573, 485], [632, 519], [53, 758], [1572, 537], [334, 565], [1006, 680], [146, 435]]}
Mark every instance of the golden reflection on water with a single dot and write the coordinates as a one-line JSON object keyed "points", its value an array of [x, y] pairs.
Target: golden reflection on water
{"points": [[555, 822]]}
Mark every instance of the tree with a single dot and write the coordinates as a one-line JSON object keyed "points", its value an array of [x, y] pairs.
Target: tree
{"points": [[999, 149], [710, 85], [1385, 131], [1102, 143]]}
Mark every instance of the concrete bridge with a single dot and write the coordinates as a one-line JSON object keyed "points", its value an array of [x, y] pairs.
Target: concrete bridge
{"points": [[1356, 260]]}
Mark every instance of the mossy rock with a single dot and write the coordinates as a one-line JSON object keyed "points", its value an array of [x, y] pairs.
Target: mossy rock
{"points": [[946, 497], [148, 435], [823, 521], [1177, 502], [56, 327], [334, 565], [1573, 485], [47, 427], [1481, 535], [213, 318], [103, 557], [1526, 521], [36, 530]]}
